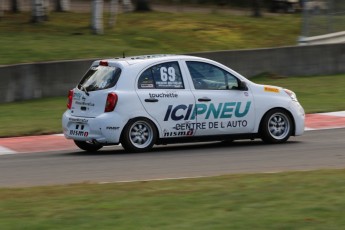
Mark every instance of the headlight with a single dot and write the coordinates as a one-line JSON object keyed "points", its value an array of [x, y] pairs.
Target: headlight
{"points": [[291, 94]]}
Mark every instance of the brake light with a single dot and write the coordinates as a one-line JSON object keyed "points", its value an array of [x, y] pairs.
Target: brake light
{"points": [[103, 63], [111, 102], [69, 99]]}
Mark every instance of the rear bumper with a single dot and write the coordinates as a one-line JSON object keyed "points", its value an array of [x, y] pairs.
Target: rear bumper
{"points": [[104, 129]]}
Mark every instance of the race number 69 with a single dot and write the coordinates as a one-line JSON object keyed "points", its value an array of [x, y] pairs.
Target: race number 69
{"points": [[168, 73]]}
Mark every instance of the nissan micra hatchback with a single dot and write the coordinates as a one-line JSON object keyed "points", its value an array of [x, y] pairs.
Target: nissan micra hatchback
{"points": [[141, 101]]}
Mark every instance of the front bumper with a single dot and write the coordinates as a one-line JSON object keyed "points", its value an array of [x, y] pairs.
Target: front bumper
{"points": [[299, 117]]}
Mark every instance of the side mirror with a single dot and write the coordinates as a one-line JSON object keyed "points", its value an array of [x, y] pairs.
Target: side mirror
{"points": [[242, 86]]}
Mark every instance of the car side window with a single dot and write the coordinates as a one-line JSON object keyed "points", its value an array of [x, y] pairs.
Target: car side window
{"points": [[209, 77], [146, 80], [162, 76]]}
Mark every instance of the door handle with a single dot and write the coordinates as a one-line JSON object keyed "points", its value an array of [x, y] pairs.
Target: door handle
{"points": [[204, 99], [151, 100]]}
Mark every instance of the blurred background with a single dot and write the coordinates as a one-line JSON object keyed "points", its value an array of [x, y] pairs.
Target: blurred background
{"points": [[47, 45]]}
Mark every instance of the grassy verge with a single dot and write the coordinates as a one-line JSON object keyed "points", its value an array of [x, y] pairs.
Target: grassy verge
{"points": [[67, 35], [298, 200], [32, 117], [316, 94]]}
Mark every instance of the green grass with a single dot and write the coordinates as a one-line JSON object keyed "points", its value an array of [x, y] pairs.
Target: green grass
{"points": [[294, 200], [316, 94], [32, 117], [67, 35]]}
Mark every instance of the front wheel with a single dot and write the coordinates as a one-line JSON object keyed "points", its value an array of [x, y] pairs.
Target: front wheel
{"points": [[88, 146], [276, 127], [139, 135]]}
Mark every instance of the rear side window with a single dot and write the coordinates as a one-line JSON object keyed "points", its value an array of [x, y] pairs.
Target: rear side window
{"points": [[100, 77], [162, 76]]}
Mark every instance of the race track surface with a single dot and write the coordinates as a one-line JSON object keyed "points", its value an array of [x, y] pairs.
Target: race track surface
{"points": [[48, 143], [319, 149]]}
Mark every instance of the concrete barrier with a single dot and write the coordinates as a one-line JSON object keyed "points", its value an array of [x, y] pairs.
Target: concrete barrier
{"points": [[37, 80], [286, 61]]}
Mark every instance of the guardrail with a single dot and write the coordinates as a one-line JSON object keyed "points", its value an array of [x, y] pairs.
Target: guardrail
{"points": [[50, 79], [337, 37]]}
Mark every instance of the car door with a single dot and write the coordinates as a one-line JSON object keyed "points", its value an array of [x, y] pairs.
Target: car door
{"points": [[166, 97], [222, 107]]}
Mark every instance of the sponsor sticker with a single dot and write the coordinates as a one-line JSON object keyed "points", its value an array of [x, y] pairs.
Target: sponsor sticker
{"points": [[77, 96], [178, 133], [79, 120], [78, 133], [163, 95], [85, 103], [142, 85], [271, 89], [209, 111], [112, 128]]}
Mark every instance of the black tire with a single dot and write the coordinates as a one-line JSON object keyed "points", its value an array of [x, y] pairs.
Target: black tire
{"points": [[139, 135], [228, 141], [88, 146], [276, 126]]}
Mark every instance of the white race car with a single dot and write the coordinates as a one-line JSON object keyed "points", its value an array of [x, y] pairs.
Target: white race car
{"points": [[161, 99]]}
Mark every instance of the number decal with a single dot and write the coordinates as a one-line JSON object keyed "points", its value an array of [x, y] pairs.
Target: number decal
{"points": [[164, 75], [172, 75], [168, 74]]}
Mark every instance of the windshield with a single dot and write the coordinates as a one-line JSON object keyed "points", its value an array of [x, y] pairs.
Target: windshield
{"points": [[100, 77]]}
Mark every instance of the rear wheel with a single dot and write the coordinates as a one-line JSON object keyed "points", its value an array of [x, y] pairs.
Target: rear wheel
{"points": [[88, 146], [139, 135], [227, 141], [276, 127]]}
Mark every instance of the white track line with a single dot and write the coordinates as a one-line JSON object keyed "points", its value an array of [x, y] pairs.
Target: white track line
{"points": [[337, 114], [6, 151]]}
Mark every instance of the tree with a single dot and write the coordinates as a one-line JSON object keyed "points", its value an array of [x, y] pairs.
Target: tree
{"points": [[97, 17], [39, 11], [1, 8], [62, 5], [127, 6], [256, 8], [143, 5], [15, 6], [114, 6]]}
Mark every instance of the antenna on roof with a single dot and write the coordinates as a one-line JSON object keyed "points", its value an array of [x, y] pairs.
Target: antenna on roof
{"points": [[123, 54]]}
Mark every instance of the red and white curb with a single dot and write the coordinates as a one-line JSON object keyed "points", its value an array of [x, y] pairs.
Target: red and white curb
{"points": [[319, 121], [57, 142], [43, 143]]}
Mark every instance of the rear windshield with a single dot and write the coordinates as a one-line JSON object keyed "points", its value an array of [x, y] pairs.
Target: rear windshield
{"points": [[100, 77]]}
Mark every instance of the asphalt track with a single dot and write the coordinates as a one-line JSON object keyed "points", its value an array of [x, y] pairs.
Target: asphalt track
{"points": [[51, 159], [319, 149]]}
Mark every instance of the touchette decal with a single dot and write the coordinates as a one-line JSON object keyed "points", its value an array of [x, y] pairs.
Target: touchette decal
{"points": [[213, 111], [163, 95]]}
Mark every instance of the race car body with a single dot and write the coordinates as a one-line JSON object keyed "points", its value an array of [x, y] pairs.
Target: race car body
{"points": [[159, 99]]}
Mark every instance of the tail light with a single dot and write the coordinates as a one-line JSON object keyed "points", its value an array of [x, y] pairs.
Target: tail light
{"points": [[69, 99], [103, 63], [111, 102]]}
